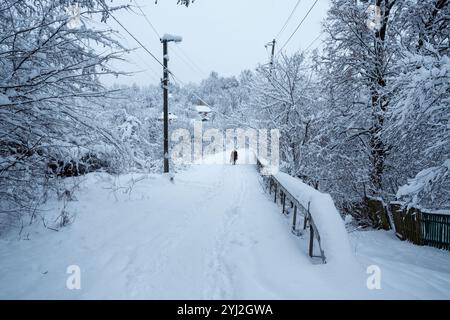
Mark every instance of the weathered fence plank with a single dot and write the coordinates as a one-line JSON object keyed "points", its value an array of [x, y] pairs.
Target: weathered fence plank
{"points": [[421, 228]]}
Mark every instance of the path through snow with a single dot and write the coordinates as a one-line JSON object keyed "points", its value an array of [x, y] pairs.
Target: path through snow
{"points": [[213, 234]]}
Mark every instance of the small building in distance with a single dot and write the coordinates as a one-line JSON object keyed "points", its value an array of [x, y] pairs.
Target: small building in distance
{"points": [[203, 111], [172, 117]]}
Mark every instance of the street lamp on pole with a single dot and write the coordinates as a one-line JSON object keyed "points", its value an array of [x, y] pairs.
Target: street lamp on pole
{"points": [[165, 82]]}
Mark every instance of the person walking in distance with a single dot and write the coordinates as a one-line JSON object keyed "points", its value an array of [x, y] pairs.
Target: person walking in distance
{"points": [[234, 157]]}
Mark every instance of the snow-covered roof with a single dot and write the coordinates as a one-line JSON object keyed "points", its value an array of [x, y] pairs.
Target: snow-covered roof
{"points": [[171, 116], [202, 108]]}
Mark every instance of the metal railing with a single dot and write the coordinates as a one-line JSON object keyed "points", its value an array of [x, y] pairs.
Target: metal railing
{"points": [[283, 194]]}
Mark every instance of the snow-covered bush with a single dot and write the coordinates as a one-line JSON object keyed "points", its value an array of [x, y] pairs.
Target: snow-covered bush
{"points": [[430, 188]]}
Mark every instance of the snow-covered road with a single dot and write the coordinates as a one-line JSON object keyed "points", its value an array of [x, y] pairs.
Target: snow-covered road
{"points": [[213, 233]]}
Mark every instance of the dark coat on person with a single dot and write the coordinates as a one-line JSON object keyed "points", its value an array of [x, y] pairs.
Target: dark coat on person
{"points": [[234, 156]]}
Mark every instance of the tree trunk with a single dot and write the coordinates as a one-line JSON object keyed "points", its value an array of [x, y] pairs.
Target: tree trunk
{"points": [[379, 100]]}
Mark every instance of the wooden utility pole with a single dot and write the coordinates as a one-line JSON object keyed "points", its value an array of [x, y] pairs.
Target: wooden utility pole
{"points": [[166, 107], [272, 57], [273, 54], [165, 83]]}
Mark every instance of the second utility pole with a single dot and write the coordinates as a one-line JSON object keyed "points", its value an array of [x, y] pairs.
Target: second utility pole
{"points": [[271, 44], [273, 54]]}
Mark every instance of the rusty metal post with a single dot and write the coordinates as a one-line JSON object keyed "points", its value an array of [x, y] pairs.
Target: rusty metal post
{"points": [[311, 240], [294, 220], [276, 191]]}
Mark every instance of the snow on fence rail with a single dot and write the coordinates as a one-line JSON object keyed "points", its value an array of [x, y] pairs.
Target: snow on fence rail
{"points": [[319, 213]]}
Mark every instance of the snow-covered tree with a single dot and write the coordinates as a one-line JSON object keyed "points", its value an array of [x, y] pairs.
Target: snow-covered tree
{"points": [[49, 88], [429, 188], [284, 101], [360, 56], [418, 123]]}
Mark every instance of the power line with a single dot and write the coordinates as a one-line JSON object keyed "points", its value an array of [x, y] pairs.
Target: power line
{"points": [[288, 19], [192, 92], [131, 35], [185, 62], [314, 41], [184, 53], [148, 20], [154, 74], [189, 61], [151, 54], [298, 27], [154, 28]]}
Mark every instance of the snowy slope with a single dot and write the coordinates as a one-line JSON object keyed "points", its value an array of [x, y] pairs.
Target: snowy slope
{"points": [[213, 233], [414, 272]]}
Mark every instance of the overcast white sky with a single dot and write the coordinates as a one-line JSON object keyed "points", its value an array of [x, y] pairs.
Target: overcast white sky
{"points": [[226, 36]]}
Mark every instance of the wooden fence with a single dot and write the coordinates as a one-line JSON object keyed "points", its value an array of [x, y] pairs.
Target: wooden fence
{"points": [[282, 194], [420, 227]]}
